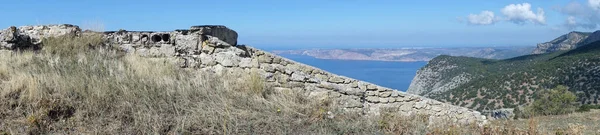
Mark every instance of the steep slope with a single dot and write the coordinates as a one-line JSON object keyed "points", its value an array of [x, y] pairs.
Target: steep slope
{"points": [[564, 42], [493, 84]]}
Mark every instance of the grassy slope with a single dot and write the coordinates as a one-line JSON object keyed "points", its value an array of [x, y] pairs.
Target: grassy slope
{"points": [[511, 82], [67, 88]]}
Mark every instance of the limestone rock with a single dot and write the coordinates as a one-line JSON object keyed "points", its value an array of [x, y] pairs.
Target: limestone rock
{"points": [[298, 77], [373, 99], [372, 93], [385, 94], [336, 79], [371, 87], [223, 33], [227, 59]]}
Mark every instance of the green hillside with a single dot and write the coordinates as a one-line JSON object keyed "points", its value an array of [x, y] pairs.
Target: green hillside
{"points": [[511, 82]]}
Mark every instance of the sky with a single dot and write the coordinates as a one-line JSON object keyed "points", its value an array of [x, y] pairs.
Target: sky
{"points": [[328, 23]]}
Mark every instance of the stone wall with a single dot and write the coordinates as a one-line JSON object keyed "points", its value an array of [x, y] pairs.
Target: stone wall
{"points": [[214, 48]]}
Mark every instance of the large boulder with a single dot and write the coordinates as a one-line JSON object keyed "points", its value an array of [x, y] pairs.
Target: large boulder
{"points": [[217, 31]]}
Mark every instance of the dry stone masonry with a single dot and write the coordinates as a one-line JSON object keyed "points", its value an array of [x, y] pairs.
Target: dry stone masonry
{"points": [[215, 48]]}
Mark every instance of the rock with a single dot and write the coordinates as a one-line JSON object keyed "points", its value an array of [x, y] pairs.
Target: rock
{"points": [[215, 42], [352, 91], [354, 84], [394, 94], [227, 59], [385, 94], [207, 60], [298, 77], [268, 68], [373, 99], [247, 63], [221, 32], [321, 77], [265, 59], [127, 48], [421, 104], [336, 79], [372, 93], [334, 95], [407, 107], [277, 60], [371, 87], [282, 78], [184, 43]]}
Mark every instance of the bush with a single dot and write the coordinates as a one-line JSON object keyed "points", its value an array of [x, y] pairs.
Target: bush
{"points": [[587, 107], [554, 102]]}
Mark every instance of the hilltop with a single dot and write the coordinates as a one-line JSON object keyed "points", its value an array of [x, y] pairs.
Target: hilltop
{"points": [[58, 79], [486, 84]]}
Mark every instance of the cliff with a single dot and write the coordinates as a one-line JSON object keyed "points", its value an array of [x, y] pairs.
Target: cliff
{"points": [[214, 49], [565, 42]]}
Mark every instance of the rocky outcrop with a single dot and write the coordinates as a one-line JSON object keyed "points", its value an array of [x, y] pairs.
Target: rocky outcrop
{"points": [[591, 38], [565, 42], [31, 36], [437, 76], [214, 48]]}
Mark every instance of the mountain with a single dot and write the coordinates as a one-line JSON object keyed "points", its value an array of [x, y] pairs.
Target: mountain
{"points": [[565, 42], [410, 54], [484, 84]]}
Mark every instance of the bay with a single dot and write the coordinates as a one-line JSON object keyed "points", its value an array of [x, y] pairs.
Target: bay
{"points": [[396, 75]]}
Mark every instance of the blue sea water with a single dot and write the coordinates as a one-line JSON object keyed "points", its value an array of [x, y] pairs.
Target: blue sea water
{"points": [[396, 75]]}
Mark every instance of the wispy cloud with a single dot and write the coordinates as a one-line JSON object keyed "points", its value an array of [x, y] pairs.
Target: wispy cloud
{"points": [[483, 18], [581, 15]]}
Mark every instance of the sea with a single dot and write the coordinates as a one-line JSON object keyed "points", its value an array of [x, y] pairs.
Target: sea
{"points": [[395, 75]]}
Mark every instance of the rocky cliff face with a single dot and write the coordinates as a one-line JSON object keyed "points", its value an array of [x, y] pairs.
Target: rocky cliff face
{"points": [[436, 77], [565, 42], [214, 48]]}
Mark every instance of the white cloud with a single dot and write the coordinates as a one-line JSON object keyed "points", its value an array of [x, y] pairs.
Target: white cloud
{"points": [[580, 15], [571, 20], [521, 13], [483, 18], [595, 4]]}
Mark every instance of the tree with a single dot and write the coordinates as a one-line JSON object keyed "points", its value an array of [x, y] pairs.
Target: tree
{"points": [[554, 102]]}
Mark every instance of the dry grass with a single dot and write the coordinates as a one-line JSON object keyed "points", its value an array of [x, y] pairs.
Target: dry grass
{"points": [[94, 90]]}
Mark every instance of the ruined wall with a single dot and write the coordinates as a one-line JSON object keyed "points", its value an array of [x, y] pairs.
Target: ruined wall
{"points": [[214, 48]]}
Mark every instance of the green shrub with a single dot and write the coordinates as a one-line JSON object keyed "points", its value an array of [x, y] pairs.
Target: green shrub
{"points": [[554, 102], [587, 107]]}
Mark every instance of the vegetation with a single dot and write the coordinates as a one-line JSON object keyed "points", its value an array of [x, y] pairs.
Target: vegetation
{"points": [[68, 89], [513, 82], [554, 102]]}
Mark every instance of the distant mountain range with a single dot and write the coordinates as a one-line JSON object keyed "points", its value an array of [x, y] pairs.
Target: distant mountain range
{"points": [[410, 54]]}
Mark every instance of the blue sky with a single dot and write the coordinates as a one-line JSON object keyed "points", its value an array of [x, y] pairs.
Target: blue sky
{"points": [[328, 24]]}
